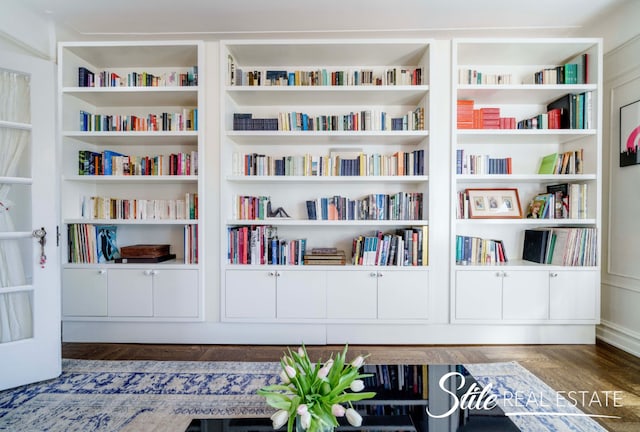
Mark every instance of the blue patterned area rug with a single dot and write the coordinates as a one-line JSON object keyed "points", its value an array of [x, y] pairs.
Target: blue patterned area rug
{"points": [[159, 396]]}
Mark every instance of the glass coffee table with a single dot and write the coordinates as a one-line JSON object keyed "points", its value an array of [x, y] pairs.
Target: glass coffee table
{"points": [[409, 398]]}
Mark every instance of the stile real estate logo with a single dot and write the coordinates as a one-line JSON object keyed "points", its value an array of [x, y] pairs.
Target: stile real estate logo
{"points": [[536, 404]]}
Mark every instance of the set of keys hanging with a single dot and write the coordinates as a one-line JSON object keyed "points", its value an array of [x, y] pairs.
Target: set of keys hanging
{"points": [[41, 235]]}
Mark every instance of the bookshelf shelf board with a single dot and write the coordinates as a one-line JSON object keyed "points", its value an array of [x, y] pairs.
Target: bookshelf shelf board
{"points": [[521, 136], [16, 180], [523, 178], [328, 179], [338, 53], [524, 221], [519, 93], [519, 264], [328, 137], [15, 125], [177, 263], [182, 96], [327, 95], [132, 221], [132, 179], [15, 235], [151, 54], [115, 138], [306, 222], [520, 51], [349, 266]]}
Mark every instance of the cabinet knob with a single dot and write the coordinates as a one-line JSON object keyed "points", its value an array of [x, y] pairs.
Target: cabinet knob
{"points": [[278, 274], [271, 273], [498, 274], [148, 272], [154, 272], [552, 274], [505, 274], [102, 272], [373, 274], [380, 274]]}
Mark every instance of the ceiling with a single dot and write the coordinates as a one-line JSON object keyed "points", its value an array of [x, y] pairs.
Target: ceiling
{"points": [[217, 19]]}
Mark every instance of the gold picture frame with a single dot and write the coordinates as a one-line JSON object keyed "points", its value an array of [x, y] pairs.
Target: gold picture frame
{"points": [[494, 203]]}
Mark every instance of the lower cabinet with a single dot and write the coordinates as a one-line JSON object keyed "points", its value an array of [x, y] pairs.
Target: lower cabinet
{"points": [[526, 295], [134, 293], [326, 294]]}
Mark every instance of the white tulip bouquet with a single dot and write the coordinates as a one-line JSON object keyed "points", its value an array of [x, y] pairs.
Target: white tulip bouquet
{"points": [[316, 394]]}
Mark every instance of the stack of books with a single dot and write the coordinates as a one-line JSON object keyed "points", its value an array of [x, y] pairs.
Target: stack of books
{"points": [[325, 256], [145, 253]]}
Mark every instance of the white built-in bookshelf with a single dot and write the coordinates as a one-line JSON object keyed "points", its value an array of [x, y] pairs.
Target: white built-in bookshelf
{"points": [[131, 138], [291, 110], [518, 80]]}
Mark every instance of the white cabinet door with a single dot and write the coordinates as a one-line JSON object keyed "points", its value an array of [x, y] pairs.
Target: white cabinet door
{"points": [[175, 293], [250, 294], [573, 295], [84, 292], [352, 294], [525, 295], [301, 294], [403, 294], [130, 293], [478, 295]]}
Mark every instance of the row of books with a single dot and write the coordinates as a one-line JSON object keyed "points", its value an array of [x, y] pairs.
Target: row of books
{"points": [[561, 246], [469, 117], [323, 77], [473, 76], [261, 245], [569, 73], [481, 164], [113, 163], [97, 207], [569, 162], [87, 78], [571, 111], [404, 247], [560, 201], [91, 244], [191, 244], [187, 120], [369, 120], [476, 250], [337, 163], [399, 206]]}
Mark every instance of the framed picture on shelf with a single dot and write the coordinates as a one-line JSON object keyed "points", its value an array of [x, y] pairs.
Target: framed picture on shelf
{"points": [[494, 203]]}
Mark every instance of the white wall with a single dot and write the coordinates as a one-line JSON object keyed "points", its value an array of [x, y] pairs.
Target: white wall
{"points": [[25, 32], [621, 232]]}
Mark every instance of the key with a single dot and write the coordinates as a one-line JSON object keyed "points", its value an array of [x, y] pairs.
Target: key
{"points": [[41, 235]]}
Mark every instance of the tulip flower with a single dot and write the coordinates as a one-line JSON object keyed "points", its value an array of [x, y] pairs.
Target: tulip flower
{"points": [[300, 352], [357, 362], [285, 379], [323, 372], [337, 410], [305, 420], [290, 371], [353, 417], [302, 409], [279, 418], [356, 385]]}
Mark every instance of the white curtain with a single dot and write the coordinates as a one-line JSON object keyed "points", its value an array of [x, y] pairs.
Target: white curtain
{"points": [[15, 307]]}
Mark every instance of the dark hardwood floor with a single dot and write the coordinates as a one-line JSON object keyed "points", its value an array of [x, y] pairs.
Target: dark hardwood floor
{"points": [[591, 369]]}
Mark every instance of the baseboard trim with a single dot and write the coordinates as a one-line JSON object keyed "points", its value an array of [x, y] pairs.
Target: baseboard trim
{"points": [[319, 334], [619, 337]]}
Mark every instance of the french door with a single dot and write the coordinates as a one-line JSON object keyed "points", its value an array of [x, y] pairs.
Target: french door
{"points": [[30, 345]]}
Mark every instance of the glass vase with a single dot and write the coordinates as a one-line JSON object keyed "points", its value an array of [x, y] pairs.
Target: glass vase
{"points": [[316, 426]]}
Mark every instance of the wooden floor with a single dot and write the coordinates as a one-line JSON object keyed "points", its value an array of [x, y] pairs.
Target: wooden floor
{"points": [[591, 369]]}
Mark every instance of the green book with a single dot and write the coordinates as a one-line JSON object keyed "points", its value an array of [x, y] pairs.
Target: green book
{"points": [[548, 164]]}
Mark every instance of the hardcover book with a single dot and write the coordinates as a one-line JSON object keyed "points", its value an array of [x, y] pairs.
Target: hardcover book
{"points": [[535, 245]]}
